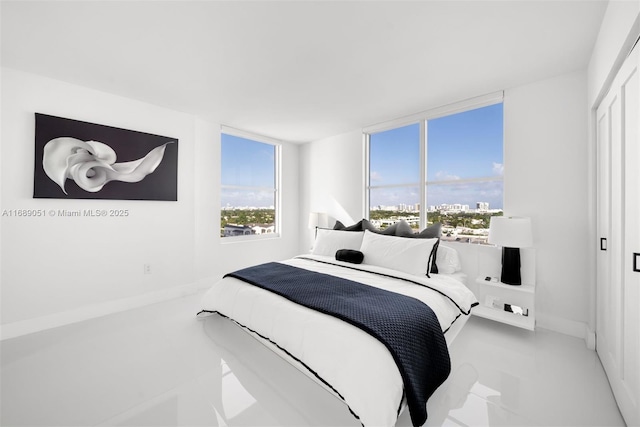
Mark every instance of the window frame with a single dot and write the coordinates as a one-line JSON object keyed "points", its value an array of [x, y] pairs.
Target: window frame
{"points": [[277, 179], [422, 119]]}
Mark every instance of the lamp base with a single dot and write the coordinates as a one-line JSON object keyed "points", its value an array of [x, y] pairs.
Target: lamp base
{"points": [[511, 266]]}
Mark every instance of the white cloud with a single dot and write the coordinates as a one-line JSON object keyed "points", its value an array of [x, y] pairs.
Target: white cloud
{"points": [[375, 176], [259, 199], [445, 176], [498, 168], [394, 196]]}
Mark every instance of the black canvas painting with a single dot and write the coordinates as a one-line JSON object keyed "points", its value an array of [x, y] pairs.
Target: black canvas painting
{"points": [[80, 160]]}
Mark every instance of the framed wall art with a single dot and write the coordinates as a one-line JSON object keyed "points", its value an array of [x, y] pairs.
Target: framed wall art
{"points": [[81, 160]]}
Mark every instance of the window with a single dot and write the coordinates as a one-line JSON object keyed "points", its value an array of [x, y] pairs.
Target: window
{"points": [[394, 176], [439, 167], [249, 194]]}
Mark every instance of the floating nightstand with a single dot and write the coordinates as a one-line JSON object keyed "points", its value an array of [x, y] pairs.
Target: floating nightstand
{"points": [[513, 305]]}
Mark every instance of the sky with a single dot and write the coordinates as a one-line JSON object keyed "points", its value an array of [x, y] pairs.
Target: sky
{"points": [[247, 163], [460, 146]]}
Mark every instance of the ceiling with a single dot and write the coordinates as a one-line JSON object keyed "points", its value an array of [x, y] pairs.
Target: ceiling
{"points": [[299, 70]]}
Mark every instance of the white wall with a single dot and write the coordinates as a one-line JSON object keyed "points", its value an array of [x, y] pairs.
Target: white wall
{"points": [[545, 178], [331, 181], [58, 270], [54, 264]]}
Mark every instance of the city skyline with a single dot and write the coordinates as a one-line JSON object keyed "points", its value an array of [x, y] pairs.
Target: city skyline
{"points": [[414, 208]]}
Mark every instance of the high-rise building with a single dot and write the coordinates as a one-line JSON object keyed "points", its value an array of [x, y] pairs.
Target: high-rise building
{"points": [[482, 206]]}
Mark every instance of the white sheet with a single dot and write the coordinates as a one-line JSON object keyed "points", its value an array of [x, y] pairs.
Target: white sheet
{"points": [[339, 353]]}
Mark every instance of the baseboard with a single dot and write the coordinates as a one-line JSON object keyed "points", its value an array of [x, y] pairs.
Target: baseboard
{"points": [[567, 327], [591, 339], [29, 326]]}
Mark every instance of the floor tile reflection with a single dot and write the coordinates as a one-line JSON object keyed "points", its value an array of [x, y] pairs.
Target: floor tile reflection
{"points": [[502, 375], [161, 366]]}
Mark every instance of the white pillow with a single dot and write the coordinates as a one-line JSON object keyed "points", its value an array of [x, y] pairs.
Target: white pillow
{"points": [[447, 260], [398, 253], [329, 241]]}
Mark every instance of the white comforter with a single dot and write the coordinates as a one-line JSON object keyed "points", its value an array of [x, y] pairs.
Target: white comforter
{"points": [[341, 354]]}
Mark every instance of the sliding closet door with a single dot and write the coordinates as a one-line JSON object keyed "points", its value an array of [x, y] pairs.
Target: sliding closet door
{"points": [[618, 281], [607, 288], [630, 364]]}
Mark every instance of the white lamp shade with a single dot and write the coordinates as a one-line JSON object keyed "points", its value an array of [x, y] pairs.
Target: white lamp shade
{"points": [[318, 219], [510, 231]]}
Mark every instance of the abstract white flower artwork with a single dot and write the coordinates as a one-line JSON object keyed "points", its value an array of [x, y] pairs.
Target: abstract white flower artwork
{"points": [[81, 160], [92, 164]]}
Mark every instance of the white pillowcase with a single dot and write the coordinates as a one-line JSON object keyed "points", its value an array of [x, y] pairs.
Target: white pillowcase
{"points": [[329, 241], [448, 260], [398, 253]]}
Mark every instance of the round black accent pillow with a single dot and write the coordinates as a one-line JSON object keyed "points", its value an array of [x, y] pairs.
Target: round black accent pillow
{"points": [[349, 255]]}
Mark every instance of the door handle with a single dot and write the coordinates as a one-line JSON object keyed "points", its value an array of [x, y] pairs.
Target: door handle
{"points": [[603, 243], [636, 262]]}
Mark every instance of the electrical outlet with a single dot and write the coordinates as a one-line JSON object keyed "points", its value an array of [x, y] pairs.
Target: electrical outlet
{"points": [[147, 268]]}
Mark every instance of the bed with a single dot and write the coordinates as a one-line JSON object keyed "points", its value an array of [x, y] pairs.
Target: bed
{"points": [[352, 315]]}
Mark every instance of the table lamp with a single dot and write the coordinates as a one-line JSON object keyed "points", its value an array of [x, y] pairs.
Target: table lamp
{"points": [[318, 219], [512, 233]]}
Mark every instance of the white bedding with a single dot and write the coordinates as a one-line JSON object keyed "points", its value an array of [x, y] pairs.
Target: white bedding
{"points": [[340, 354]]}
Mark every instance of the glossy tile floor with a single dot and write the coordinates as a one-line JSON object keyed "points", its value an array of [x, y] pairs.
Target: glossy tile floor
{"points": [[161, 366]]}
